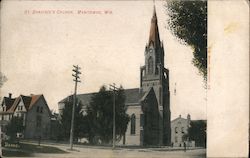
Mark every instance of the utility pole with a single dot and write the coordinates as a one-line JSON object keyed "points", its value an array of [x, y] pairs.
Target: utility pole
{"points": [[114, 89], [75, 74], [1, 153]]}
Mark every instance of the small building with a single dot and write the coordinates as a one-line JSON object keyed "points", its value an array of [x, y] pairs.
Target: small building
{"points": [[34, 111], [179, 132]]}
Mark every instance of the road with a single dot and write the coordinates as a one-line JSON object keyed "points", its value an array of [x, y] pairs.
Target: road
{"points": [[84, 152]]}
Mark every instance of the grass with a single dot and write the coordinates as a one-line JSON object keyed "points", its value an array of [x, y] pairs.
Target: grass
{"points": [[10, 153], [41, 149], [27, 150]]}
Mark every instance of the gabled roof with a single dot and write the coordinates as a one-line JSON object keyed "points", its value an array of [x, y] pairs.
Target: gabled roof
{"points": [[8, 102], [177, 119], [13, 107], [28, 101], [34, 99], [132, 97], [145, 95], [84, 98]]}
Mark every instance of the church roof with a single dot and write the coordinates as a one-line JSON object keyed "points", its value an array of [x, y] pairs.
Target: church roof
{"points": [[145, 95], [132, 97], [84, 98], [154, 37]]}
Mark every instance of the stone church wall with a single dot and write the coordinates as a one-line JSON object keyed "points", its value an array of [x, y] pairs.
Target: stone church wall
{"points": [[133, 139]]}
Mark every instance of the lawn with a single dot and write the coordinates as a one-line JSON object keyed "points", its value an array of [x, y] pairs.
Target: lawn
{"points": [[26, 150]]}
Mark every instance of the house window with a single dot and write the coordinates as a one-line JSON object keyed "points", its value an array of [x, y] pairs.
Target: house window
{"points": [[132, 124], [38, 121], [22, 116], [41, 110], [150, 65], [176, 139], [3, 108], [176, 129], [37, 109], [21, 108]]}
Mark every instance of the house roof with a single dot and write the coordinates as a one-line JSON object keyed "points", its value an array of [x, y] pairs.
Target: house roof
{"points": [[28, 101], [177, 119], [13, 107], [199, 120], [34, 99], [8, 102], [132, 97]]}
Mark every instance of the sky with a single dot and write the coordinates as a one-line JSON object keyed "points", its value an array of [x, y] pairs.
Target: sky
{"points": [[38, 50]]}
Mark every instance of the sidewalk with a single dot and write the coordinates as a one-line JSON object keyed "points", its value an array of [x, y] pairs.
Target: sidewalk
{"points": [[139, 148]]}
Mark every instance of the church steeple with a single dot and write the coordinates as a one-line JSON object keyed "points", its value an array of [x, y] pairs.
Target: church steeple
{"points": [[154, 37], [154, 83]]}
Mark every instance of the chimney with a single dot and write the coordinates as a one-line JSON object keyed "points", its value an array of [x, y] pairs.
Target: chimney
{"points": [[10, 95], [188, 117]]}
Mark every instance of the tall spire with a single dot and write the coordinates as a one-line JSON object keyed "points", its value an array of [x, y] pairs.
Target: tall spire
{"points": [[154, 33]]}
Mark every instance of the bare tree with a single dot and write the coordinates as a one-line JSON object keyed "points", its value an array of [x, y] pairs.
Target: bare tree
{"points": [[3, 79]]}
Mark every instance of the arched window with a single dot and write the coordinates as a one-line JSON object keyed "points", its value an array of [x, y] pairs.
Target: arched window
{"points": [[182, 130], [150, 65], [176, 129], [132, 124]]}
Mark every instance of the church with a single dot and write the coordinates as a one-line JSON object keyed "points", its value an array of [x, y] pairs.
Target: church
{"points": [[148, 105]]}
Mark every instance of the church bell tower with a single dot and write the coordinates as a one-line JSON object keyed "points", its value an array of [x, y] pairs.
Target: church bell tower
{"points": [[153, 75]]}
